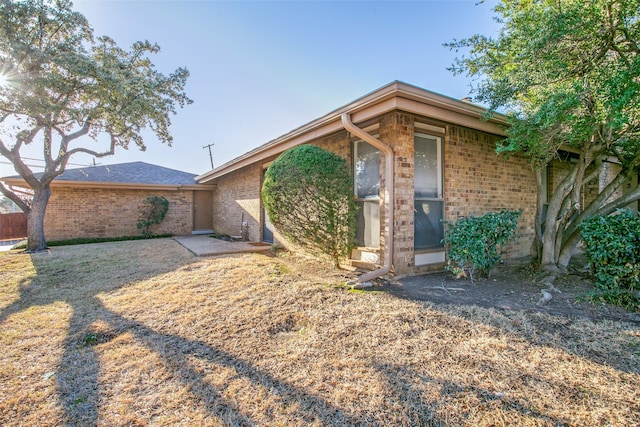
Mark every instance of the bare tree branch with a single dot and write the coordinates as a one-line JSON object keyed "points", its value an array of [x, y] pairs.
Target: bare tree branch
{"points": [[62, 161], [14, 198]]}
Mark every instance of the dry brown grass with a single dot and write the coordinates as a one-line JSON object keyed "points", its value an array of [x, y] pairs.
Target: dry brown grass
{"points": [[142, 333]]}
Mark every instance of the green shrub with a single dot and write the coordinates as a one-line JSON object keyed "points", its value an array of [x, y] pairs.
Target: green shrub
{"points": [[152, 212], [612, 246], [308, 195], [473, 243]]}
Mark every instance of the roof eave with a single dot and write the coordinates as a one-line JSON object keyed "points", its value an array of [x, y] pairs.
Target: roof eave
{"points": [[394, 96], [114, 185]]}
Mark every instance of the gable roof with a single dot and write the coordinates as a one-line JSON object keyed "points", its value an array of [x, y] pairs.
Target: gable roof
{"points": [[134, 172], [121, 175], [396, 95]]}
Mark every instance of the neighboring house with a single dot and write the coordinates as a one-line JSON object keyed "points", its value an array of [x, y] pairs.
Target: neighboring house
{"points": [[417, 157], [103, 201]]}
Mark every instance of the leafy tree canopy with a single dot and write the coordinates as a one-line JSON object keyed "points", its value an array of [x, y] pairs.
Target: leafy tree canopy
{"points": [[63, 88], [567, 73], [308, 195]]}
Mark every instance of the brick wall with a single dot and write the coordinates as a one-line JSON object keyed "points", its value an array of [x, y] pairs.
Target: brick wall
{"points": [[338, 143], [237, 194], [237, 198], [396, 129], [477, 181], [609, 172], [74, 213]]}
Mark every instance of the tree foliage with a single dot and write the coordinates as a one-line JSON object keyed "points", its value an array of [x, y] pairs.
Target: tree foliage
{"points": [[64, 89], [152, 212], [308, 195], [7, 205], [474, 243], [567, 73]]}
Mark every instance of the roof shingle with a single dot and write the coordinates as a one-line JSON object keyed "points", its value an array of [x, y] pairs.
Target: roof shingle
{"points": [[130, 173]]}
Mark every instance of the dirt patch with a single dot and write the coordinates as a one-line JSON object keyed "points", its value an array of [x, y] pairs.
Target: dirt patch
{"points": [[513, 285]]}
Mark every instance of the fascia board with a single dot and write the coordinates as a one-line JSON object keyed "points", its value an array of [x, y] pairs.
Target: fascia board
{"points": [[114, 185], [316, 128], [451, 116], [448, 103], [267, 151], [329, 127], [396, 95]]}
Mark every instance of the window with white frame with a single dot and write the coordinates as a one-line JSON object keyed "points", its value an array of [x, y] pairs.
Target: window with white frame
{"points": [[428, 193], [366, 167]]}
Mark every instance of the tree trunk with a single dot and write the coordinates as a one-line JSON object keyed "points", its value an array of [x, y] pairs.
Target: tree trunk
{"points": [[568, 249], [554, 223], [36, 240], [536, 246], [548, 255]]}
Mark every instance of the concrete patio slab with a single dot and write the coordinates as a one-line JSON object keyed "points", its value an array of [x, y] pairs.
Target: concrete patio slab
{"points": [[7, 245], [201, 245]]}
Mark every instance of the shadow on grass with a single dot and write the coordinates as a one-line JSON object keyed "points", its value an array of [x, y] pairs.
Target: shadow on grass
{"points": [[78, 383], [78, 375], [406, 384]]}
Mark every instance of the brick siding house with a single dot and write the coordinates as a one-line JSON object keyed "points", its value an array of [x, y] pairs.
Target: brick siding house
{"points": [[417, 157], [102, 201]]}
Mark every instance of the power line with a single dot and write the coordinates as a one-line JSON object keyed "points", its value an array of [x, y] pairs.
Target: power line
{"points": [[40, 160], [31, 166], [42, 166]]}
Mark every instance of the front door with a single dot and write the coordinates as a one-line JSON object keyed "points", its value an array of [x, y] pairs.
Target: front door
{"points": [[202, 211], [267, 226]]}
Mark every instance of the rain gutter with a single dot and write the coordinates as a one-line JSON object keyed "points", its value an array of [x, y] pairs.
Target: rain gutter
{"points": [[388, 197]]}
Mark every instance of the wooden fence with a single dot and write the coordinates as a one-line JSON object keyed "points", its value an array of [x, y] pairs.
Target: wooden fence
{"points": [[13, 226]]}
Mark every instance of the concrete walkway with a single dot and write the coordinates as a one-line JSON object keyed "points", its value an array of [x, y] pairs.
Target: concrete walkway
{"points": [[208, 246], [6, 245]]}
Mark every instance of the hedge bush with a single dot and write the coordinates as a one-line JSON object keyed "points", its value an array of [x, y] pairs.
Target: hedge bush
{"points": [[308, 195], [88, 240], [473, 243], [612, 246]]}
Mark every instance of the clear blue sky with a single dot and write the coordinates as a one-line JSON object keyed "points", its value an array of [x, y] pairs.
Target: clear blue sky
{"points": [[262, 68]]}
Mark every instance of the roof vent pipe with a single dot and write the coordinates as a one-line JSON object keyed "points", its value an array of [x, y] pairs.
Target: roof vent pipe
{"points": [[389, 185]]}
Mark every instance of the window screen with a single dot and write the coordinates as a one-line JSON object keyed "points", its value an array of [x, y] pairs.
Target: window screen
{"points": [[367, 170], [427, 171], [367, 192], [428, 200]]}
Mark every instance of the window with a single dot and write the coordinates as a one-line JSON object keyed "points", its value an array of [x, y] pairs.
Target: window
{"points": [[428, 194], [367, 191]]}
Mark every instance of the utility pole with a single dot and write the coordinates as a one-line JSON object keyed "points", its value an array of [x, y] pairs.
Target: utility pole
{"points": [[210, 155]]}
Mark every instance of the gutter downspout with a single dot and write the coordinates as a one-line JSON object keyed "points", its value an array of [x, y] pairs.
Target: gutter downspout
{"points": [[389, 198]]}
